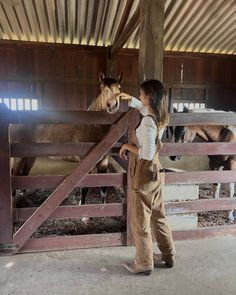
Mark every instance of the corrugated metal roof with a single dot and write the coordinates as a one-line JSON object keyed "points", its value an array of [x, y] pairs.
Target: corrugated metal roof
{"points": [[190, 25]]}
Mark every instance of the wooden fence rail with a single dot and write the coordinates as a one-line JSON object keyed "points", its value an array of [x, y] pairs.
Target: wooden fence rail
{"points": [[8, 215]]}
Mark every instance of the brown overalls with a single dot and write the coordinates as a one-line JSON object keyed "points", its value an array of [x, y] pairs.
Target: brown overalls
{"points": [[147, 208]]}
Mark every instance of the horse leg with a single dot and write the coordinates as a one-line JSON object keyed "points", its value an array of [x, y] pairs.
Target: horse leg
{"points": [[230, 165], [22, 167], [216, 186], [102, 168], [84, 192], [216, 190]]}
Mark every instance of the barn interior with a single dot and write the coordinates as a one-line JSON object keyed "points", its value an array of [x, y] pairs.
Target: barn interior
{"points": [[51, 54]]}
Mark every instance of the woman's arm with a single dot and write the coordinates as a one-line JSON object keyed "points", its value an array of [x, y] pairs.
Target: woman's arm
{"points": [[134, 103]]}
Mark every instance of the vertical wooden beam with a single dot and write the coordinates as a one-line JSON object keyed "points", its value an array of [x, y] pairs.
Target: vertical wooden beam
{"points": [[111, 64], [151, 39], [133, 119], [5, 184]]}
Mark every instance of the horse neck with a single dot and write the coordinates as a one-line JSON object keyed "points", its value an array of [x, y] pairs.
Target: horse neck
{"points": [[209, 133], [97, 104]]}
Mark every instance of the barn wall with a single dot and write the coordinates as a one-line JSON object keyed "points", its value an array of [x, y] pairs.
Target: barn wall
{"points": [[61, 77], [215, 74], [65, 76]]}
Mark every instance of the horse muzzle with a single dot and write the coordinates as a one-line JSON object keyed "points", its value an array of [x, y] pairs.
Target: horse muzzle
{"points": [[113, 108]]}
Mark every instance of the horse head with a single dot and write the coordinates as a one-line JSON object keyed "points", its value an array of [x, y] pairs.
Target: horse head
{"points": [[181, 134], [110, 89]]}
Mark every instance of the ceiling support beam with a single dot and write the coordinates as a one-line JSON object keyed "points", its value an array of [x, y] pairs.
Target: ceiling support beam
{"points": [[127, 32], [124, 19], [123, 34], [151, 39]]}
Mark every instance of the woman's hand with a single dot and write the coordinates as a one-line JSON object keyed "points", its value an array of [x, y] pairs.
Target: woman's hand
{"points": [[122, 152], [125, 96], [128, 148]]}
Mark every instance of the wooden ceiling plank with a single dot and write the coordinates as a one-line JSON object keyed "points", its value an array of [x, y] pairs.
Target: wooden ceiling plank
{"points": [[228, 13], [128, 30], [42, 20], [208, 6], [61, 20], [32, 19], [221, 32], [177, 7], [110, 22], [5, 24], [117, 20], [50, 6], [9, 9], [228, 41], [23, 21], [89, 20], [174, 36], [101, 9], [203, 27], [81, 20], [173, 26], [124, 19]]}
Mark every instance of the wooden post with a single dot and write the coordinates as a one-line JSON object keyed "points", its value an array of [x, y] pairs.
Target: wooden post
{"points": [[5, 185], [111, 65], [151, 39], [133, 120]]}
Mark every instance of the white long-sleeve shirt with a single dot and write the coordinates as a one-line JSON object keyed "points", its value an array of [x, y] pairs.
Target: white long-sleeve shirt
{"points": [[146, 133]]}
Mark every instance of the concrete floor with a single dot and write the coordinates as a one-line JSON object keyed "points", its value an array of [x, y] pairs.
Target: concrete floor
{"points": [[203, 267]]}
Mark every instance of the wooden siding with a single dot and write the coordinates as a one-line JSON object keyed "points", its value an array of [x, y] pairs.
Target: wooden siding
{"points": [[65, 77]]}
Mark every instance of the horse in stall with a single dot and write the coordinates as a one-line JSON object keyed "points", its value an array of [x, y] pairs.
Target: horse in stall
{"points": [[209, 133], [107, 100]]}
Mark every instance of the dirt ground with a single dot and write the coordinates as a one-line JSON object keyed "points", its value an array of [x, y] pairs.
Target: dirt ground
{"points": [[34, 198]]}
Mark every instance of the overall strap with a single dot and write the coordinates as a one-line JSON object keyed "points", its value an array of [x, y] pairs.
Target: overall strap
{"points": [[153, 117], [156, 122]]}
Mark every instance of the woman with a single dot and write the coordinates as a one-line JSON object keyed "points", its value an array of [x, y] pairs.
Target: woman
{"points": [[147, 204]]}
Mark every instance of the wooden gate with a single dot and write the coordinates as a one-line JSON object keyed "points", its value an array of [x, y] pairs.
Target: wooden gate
{"points": [[34, 217], [21, 241]]}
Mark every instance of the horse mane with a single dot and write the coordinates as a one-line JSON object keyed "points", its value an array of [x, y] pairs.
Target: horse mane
{"points": [[97, 104]]}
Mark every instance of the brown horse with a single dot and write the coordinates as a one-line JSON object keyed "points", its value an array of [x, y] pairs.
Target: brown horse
{"points": [[47, 133], [186, 134]]}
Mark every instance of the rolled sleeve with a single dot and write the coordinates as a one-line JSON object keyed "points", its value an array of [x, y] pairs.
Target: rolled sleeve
{"points": [[136, 103]]}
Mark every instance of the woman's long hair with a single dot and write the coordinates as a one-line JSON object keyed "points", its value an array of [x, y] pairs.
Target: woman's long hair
{"points": [[156, 93]]}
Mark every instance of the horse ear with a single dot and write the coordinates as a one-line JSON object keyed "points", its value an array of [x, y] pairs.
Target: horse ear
{"points": [[120, 78], [186, 110], [175, 110], [101, 77]]}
